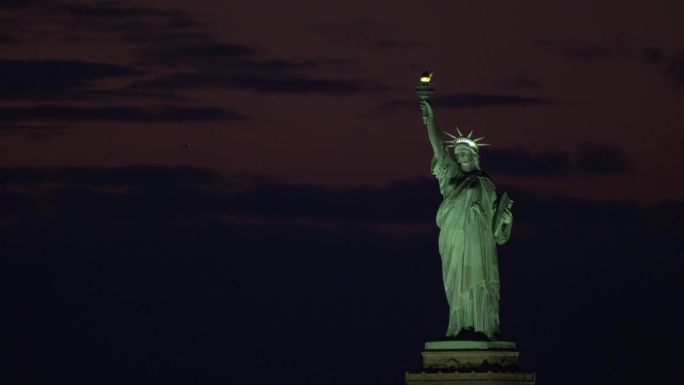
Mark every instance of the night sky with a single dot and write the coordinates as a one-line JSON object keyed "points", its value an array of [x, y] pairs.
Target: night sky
{"points": [[239, 192]]}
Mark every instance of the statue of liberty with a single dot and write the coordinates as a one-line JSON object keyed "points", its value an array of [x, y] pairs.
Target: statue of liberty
{"points": [[472, 218]]}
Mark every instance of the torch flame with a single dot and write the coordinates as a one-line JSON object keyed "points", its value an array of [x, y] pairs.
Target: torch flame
{"points": [[426, 76]]}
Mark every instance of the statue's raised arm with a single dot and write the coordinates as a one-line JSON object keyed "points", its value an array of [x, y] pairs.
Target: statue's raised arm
{"points": [[424, 89], [433, 129]]}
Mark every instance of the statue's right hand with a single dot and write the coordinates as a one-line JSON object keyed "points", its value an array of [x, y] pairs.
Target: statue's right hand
{"points": [[426, 108]]}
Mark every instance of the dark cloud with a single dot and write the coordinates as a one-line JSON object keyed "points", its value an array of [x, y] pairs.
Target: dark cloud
{"points": [[670, 66], [5, 39], [466, 101], [271, 199], [675, 70], [84, 21], [17, 4], [199, 53], [268, 199], [21, 176], [487, 100], [37, 132], [135, 176], [263, 198], [522, 81], [299, 84], [588, 158], [602, 159], [279, 65], [394, 105], [584, 51], [357, 31], [396, 44], [653, 55], [164, 291], [69, 80], [596, 267], [16, 204], [109, 196], [518, 161], [212, 65], [364, 33], [134, 267], [124, 93], [181, 81], [131, 23], [40, 79], [205, 62], [8, 128], [365, 204], [577, 50], [128, 176], [142, 31], [111, 10], [277, 82], [239, 67], [165, 113]]}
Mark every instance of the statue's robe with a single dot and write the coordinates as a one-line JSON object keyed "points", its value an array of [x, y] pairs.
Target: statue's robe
{"points": [[468, 247]]}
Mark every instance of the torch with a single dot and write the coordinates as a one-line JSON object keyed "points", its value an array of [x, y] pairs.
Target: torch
{"points": [[425, 89]]}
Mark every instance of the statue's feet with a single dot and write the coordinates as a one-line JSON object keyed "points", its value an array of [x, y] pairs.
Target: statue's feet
{"points": [[495, 336], [469, 334], [466, 334]]}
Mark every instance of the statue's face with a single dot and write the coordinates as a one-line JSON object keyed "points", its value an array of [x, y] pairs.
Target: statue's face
{"points": [[465, 158]]}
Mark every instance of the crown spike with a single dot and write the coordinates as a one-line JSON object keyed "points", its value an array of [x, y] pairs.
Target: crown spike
{"points": [[462, 140]]}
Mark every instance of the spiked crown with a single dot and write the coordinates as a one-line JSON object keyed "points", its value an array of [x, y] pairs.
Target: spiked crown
{"points": [[461, 140]]}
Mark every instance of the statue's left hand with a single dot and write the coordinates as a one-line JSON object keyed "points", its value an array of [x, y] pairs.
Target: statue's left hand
{"points": [[507, 217]]}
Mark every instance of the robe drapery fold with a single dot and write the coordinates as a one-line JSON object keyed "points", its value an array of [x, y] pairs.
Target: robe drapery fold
{"points": [[467, 246]]}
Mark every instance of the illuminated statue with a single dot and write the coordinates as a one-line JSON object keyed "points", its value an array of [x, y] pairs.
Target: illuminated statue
{"points": [[472, 219]]}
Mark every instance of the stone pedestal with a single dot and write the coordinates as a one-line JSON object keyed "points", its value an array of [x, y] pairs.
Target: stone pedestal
{"points": [[472, 378], [470, 363]]}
